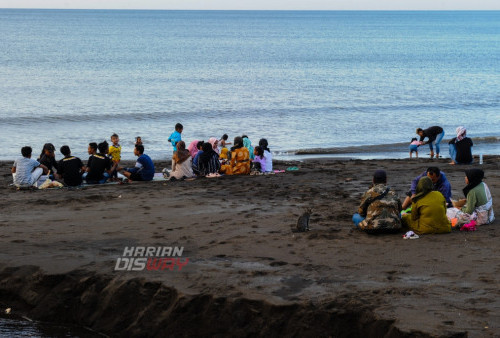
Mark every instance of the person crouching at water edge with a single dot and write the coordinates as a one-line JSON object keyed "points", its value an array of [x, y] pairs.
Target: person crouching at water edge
{"points": [[434, 135], [26, 171], [380, 208]]}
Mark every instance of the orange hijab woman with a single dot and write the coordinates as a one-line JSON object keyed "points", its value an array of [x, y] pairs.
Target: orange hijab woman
{"points": [[240, 159]]}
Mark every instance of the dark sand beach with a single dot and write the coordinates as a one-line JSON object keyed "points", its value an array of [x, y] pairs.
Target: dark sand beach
{"points": [[248, 274]]}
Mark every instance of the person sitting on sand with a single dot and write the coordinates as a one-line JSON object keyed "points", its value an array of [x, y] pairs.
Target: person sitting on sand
{"points": [[259, 161], [414, 147], [144, 169], [48, 158], [181, 163], [267, 154], [196, 158], [70, 168], [215, 144], [248, 144], [26, 171], [208, 162], [428, 210], [434, 135], [100, 167], [240, 160], [193, 148], [461, 147], [380, 208], [478, 204], [439, 180]]}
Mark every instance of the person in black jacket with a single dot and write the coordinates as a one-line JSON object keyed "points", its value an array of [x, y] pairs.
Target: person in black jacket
{"points": [[434, 135], [461, 148]]}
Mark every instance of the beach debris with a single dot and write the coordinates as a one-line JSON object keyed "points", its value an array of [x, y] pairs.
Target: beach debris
{"points": [[303, 221], [8, 310], [410, 235], [119, 196]]}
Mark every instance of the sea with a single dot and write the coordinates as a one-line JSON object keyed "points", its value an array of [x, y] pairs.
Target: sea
{"points": [[313, 83]]}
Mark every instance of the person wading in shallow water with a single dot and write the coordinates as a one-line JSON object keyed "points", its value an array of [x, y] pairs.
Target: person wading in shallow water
{"points": [[434, 135]]}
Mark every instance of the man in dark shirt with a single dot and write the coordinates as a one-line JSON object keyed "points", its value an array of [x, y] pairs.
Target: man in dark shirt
{"points": [[434, 135], [70, 168], [100, 166], [144, 169]]}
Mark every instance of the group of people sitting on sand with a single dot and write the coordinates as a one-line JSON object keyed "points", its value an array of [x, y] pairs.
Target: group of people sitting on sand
{"points": [[213, 158], [460, 147], [200, 159], [428, 207]]}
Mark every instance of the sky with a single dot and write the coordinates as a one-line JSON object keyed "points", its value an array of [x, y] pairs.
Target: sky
{"points": [[258, 4]]}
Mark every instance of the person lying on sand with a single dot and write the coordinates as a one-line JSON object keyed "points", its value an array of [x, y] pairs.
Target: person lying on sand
{"points": [[380, 208], [439, 181]]}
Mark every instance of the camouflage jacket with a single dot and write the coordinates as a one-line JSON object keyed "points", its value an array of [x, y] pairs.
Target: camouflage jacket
{"points": [[381, 214]]}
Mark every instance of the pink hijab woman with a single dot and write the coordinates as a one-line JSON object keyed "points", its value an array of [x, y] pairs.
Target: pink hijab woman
{"points": [[214, 142], [193, 148]]}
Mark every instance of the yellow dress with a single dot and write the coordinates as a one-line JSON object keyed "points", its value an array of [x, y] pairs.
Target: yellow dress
{"points": [[428, 215], [240, 163]]}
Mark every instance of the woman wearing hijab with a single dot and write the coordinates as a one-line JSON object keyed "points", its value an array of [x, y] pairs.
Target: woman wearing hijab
{"points": [[267, 154], [460, 147], [215, 143], [208, 162], [428, 210], [193, 148], [247, 144], [240, 160], [478, 204], [181, 163]]}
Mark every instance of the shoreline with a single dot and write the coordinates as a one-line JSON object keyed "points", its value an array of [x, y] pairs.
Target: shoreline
{"points": [[248, 271]]}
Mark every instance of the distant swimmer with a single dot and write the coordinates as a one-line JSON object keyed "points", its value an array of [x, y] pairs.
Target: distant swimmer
{"points": [[434, 135]]}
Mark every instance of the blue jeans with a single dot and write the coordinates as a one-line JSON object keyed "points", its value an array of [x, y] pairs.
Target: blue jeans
{"points": [[453, 151], [437, 141], [357, 218]]}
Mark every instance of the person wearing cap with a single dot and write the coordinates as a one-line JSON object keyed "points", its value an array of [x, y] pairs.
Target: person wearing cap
{"points": [[380, 208]]}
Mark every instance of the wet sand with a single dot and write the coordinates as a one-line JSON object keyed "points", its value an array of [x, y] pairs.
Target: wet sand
{"points": [[249, 273]]}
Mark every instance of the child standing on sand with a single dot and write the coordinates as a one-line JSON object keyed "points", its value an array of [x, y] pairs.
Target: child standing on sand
{"points": [[175, 137], [115, 151], [414, 147]]}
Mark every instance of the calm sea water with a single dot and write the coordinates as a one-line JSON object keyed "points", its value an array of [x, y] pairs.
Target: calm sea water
{"points": [[300, 79]]}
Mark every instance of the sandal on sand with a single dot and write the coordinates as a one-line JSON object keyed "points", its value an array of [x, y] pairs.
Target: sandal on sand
{"points": [[410, 235]]}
